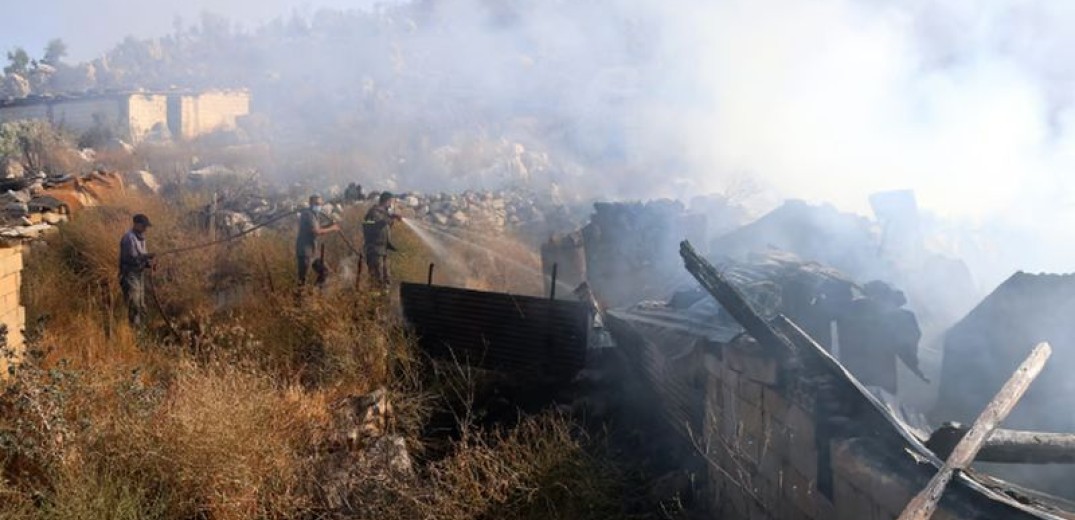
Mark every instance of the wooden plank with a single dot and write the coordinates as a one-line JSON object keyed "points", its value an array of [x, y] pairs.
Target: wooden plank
{"points": [[1009, 446], [923, 505], [732, 301]]}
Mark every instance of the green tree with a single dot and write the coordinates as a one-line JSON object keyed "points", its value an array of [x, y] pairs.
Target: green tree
{"points": [[18, 61], [54, 52]]}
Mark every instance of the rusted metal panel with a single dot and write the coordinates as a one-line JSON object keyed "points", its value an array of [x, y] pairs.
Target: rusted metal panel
{"points": [[499, 331]]}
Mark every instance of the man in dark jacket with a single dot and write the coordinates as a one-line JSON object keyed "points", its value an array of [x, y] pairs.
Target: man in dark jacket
{"points": [[133, 262], [310, 228], [377, 237]]}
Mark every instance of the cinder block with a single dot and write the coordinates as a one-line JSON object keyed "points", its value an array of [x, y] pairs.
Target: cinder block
{"points": [[751, 392], [712, 365], [729, 377], [774, 449], [10, 283], [752, 418], [800, 491], [851, 503], [758, 511], [730, 420], [752, 365], [802, 445], [750, 449], [890, 493], [774, 403], [10, 261]]}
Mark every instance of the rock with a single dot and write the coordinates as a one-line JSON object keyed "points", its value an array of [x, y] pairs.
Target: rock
{"points": [[145, 181], [459, 219], [440, 218], [11, 169], [358, 418], [18, 232], [388, 454], [118, 145], [12, 196], [53, 218], [412, 201], [16, 209]]}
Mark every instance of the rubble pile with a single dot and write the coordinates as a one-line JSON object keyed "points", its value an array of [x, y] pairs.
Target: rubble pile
{"points": [[32, 203], [637, 242], [492, 212]]}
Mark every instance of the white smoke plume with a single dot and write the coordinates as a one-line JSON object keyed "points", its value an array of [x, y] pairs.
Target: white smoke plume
{"points": [[966, 102]]}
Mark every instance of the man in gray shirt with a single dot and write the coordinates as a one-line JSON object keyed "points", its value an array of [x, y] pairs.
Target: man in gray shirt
{"points": [[310, 229], [133, 262]]}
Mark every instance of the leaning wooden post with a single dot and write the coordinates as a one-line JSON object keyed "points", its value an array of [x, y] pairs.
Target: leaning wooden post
{"points": [[733, 302], [925, 502]]}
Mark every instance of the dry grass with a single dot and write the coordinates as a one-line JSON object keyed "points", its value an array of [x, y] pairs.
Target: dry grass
{"points": [[234, 419]]}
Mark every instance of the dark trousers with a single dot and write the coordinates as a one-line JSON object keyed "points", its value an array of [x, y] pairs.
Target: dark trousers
{"points": [[134, 295], [377, 262], [304, 262]]}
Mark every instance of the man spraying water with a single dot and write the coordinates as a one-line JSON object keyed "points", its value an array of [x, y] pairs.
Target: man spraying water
{"points": [[377, 236]]}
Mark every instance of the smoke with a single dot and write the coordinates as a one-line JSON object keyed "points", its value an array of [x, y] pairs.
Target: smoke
{"points": [[969, 103]]}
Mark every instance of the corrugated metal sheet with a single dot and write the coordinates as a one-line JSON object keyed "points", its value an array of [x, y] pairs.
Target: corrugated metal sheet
{"points": [[499, 331]]}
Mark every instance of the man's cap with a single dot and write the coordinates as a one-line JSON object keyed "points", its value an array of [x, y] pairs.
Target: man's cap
{"points": [[386, 196], [142, 219]]}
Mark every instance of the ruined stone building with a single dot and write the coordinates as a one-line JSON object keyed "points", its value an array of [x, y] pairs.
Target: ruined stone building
{"points": [[133, 116]]}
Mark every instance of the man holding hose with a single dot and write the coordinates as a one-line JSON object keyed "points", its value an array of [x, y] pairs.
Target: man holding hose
{"points": [[133, 262], [377, 237], [310, 229]]}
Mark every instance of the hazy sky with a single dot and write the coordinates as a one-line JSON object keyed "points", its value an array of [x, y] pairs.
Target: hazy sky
{"points": [[90, 27]]}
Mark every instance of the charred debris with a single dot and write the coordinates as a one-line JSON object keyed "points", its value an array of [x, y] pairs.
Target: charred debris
{"points": [[770, 385]]}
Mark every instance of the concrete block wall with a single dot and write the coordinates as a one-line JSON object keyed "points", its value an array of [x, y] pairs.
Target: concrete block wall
{"points": [[761, 442], [144, 111], [81, 115], [204, 113], [770, 441], [12, 313], [25, 111]]}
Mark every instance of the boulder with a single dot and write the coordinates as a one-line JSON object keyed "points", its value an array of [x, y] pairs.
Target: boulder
{"points": [[359, 418], [11, 169], [145, 181]]}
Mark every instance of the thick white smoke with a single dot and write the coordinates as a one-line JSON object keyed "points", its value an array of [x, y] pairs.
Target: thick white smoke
{"points": [[967, 102]]}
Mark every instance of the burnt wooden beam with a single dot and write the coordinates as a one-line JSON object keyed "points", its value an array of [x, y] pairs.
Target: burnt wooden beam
{"points": [[923, 505], [733, 301], [1009, 446]]}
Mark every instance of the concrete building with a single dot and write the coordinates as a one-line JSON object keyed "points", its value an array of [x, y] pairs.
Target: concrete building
{"points": [[134, 115]]}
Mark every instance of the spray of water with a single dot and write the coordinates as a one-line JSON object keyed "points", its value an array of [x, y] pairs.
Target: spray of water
{"points": [[435, 239]]}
